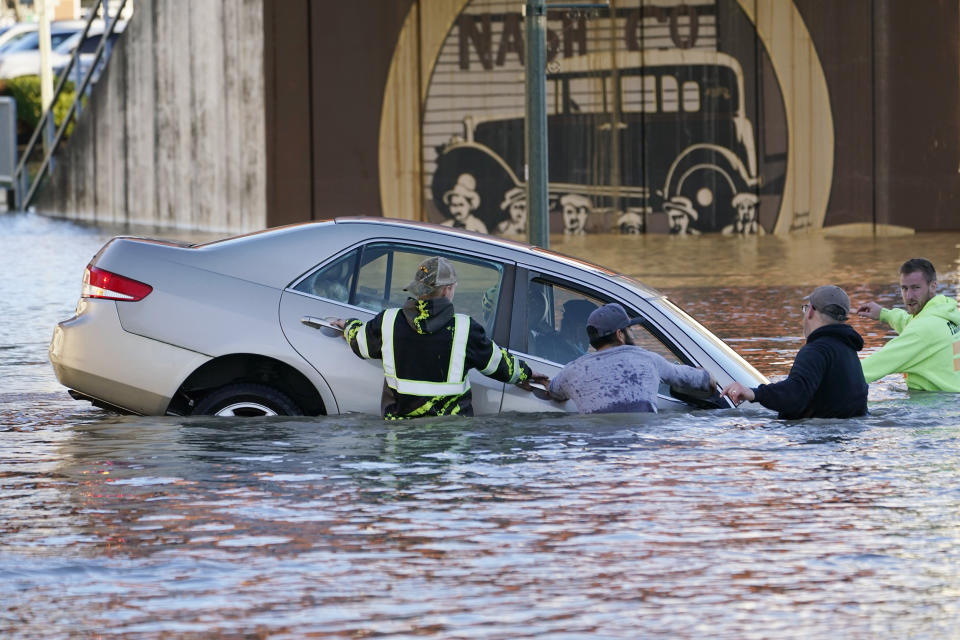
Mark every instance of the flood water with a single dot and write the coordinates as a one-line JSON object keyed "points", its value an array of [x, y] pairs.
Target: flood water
{"points": [[713, 524]]}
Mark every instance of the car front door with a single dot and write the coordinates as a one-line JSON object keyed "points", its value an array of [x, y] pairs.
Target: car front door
{"points": [[362, 282], [549, 331]]}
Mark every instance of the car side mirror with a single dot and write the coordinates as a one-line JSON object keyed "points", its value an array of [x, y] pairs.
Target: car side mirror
{"points": [[701, 401]]}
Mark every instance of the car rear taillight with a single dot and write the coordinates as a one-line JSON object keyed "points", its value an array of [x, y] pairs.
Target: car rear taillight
{"points": [[99, 283]]}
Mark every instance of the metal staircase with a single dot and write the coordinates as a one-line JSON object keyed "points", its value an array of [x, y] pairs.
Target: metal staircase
{"points": [[28, 182]]}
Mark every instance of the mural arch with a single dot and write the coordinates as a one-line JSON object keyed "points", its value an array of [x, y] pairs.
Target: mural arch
{"points": [[652, 126]]}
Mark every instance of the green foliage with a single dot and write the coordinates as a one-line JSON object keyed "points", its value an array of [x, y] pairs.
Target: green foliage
{"points": [[26, 91]]}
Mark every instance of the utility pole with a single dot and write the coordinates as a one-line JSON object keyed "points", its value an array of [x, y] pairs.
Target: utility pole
{"points": [[536, 171], [535, 131], [46, 74]]}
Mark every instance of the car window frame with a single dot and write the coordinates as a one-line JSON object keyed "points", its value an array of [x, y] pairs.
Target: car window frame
{"points": [[501, 326], [518, 325], [553, 281], [518, 329]]}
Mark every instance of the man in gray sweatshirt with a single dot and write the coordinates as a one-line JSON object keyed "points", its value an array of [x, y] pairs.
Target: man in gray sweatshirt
{"points": [[620, 377]]}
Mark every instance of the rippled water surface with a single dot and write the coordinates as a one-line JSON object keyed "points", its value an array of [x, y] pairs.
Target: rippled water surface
{"points": [[724, 524]]}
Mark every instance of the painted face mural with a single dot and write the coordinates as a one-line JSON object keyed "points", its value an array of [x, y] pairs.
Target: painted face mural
{"points": [[515, 205], [631, 222], [575, 209], [745, 222], [461, 201], [681, 215], [674, 124]]}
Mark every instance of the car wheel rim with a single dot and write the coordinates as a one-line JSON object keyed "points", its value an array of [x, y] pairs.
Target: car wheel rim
{"points": [[246, 409]]}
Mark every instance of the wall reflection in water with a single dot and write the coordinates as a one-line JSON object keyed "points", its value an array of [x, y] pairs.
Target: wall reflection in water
{"points": [[613, 525], [726, 524], [748, 290]]}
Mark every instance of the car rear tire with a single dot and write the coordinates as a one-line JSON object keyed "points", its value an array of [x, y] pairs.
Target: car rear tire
{"points": [[247, 400]]}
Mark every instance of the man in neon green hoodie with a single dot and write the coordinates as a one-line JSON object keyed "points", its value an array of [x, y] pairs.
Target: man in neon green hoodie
{"points": [[927, 350]]}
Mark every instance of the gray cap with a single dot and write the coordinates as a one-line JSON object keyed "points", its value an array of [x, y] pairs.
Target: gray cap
{"points": [[608, 319], [432, 274], [830, 300]]}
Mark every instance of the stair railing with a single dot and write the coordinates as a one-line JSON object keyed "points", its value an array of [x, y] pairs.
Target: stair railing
{"points": [[29, 184]]}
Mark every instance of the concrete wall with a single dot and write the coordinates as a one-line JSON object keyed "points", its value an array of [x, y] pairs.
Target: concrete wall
{"points": [[233, 115], [173, 134], [850, 108]]}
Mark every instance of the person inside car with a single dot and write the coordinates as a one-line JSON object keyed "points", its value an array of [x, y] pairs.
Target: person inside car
{"points": [[427, 349], [576, 340]]}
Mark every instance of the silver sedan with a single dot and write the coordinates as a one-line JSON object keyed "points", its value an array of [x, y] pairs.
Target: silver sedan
{"points": [[239, 326]]}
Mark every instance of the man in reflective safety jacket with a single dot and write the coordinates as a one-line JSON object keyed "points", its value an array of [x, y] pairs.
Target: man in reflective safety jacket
{"points": [[427, 349]]}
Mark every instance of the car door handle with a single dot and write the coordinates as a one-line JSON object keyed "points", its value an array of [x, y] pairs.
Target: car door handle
{"points": [[320, 323], [607, 126], [541, 392]]}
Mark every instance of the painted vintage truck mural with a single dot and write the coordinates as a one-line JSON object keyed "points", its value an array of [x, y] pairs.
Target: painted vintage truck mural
{"points": [[630, 134]]}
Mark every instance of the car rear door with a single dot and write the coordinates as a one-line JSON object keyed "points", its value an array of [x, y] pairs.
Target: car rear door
{"points": [[363, 281]]}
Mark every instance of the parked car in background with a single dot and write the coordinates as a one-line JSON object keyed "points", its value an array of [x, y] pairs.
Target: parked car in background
{"points": [[14, 33], [22, 57], [237, 326], [87, 47]]}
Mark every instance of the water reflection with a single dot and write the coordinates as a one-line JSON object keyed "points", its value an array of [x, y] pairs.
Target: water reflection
{"points": [[748, 289], [608, 525], [727, 524], [804, 260]]}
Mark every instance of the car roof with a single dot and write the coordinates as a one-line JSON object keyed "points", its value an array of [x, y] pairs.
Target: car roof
{"points": [[514, 245], [389, 229], [30, 37], [473, 235], [96, 31]]}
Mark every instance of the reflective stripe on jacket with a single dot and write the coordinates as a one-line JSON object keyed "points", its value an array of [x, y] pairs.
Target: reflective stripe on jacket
{"points": [[427, 355], [456, 381], [927, 349]]}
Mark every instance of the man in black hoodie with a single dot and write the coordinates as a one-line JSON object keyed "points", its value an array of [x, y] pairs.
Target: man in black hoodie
{"points": [[427, 355], [826, 379]]}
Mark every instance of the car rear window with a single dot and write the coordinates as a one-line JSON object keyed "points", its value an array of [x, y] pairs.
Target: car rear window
{"points": [[374, 277]]}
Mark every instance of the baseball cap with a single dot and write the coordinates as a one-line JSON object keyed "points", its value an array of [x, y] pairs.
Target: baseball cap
{"points": [[432, 274], [830, 300], [608, 319]]}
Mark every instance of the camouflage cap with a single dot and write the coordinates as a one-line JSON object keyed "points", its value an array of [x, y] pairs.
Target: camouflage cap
{"points": [[432, 274]]}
